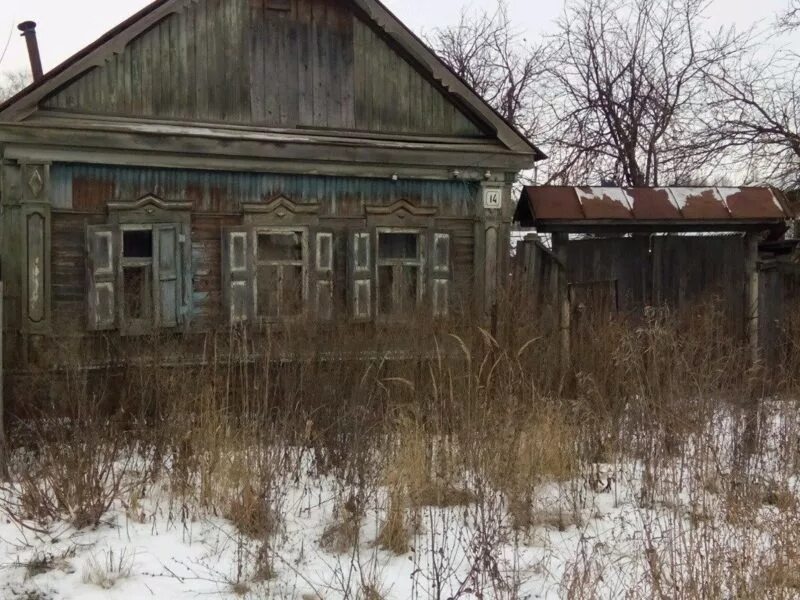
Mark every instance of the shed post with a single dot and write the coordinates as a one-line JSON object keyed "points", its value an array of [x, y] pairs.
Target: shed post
{"points": [[752, 296], [560, 249]]}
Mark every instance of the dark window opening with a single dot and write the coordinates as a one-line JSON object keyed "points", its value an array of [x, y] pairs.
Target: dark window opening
{"points": [[403, 246], [137, 243], [280, 247]]}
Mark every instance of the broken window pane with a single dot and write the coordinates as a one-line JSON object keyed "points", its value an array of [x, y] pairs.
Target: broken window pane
{"points": [[280, 246], [137, 243], [398, 246], [136, 292]]}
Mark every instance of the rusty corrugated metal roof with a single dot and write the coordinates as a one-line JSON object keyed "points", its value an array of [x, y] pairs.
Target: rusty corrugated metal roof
{"points": [[642, 206]]}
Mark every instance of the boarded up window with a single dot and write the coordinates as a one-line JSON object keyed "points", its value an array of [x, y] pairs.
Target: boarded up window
{"points": [[399, 271]]}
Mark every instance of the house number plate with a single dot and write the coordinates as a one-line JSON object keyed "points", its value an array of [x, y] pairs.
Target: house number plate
{"points": [[492, 198]]}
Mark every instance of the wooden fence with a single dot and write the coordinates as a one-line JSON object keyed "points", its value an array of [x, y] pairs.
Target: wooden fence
{"points": [[624, 275]]}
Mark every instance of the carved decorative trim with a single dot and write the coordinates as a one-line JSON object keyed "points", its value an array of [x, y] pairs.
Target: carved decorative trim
{"points": [[401, 208], [149, 204], [281, 206], [36, 181]]}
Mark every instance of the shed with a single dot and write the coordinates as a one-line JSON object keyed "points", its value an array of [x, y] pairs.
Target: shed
{"points": [[620, 245], [234, 162]]}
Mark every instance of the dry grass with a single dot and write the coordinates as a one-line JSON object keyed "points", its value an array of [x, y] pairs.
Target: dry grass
{"points": [[105, 569], [475, 420]]}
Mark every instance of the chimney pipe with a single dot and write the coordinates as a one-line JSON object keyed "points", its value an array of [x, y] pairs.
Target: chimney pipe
{"points": [[28, 29]]}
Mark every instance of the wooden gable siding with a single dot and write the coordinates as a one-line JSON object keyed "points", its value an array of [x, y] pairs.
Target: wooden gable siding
{"points": [[319, 65], [80, 194]]}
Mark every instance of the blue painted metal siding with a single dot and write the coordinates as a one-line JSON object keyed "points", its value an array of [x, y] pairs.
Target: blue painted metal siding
{"points": [[86, 186]]}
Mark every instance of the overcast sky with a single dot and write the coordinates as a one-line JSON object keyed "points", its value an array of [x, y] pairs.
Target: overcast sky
{"points": [[65, 26]]}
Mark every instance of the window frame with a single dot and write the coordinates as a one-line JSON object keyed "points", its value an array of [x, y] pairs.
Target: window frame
{"points": [[152, 214], [399, 264], [303, 263], [145, 323]]}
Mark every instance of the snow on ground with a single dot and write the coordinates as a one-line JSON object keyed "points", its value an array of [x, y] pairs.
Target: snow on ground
{"points": [[159, 553], [160, 549]]}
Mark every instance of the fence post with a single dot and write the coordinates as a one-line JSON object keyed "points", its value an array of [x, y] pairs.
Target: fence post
{"points": [[560, 249], [752, 297]]}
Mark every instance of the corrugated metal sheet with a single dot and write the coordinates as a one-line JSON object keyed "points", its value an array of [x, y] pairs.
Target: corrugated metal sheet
{"points": [[615, 204], [87, 187]]}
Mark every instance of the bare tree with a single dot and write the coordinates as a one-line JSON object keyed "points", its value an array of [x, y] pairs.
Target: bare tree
{"points": [[497, 62], [755, 105], [627, 91], [790, 19], [13, 82]]}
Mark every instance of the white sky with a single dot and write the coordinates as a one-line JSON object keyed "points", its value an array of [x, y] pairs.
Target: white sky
{"points": [[66, 26]]}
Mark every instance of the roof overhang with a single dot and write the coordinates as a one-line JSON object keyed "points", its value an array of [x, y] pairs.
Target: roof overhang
{"points": [[216, 147], [615, 210]]}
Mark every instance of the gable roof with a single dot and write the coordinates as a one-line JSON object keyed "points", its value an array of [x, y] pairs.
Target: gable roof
{"points": [[117, 39]]}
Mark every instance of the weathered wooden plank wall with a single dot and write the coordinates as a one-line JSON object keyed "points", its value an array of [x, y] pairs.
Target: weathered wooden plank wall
{"points": [[778, 304], [635, 272], [318, 64], [80, 194], [690, 268], [622, 260]]}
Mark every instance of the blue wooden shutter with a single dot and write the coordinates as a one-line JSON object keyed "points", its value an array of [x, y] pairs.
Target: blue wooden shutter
{"points": [[168, 275]]}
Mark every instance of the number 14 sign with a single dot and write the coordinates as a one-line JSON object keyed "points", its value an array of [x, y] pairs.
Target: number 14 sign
{"points": [[492, 198]]}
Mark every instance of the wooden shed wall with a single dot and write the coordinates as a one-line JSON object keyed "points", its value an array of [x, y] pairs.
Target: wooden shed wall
{"points": [[80, 194], [674, 271], [319, 64]]}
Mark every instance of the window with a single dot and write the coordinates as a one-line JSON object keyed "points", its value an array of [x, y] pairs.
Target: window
{"points": [[140, 276], [399, 271], [280, 273], [266, 272], [137, 276]]}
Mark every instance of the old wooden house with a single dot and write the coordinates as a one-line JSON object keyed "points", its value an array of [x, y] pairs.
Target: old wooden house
{"points": [[217, 162]]}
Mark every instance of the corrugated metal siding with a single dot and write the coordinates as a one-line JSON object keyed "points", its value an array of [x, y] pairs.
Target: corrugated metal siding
{"points": [[88, 187]]}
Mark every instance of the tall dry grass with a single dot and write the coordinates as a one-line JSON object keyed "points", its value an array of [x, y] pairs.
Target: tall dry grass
{"points": [[417, 420]]}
